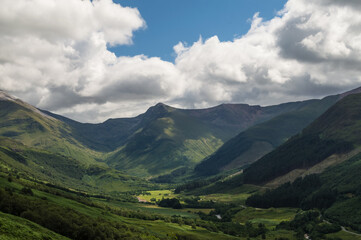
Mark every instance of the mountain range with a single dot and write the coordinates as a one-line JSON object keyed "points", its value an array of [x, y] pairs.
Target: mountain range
{"points": [[306, 154], [159, 141], [163, 139], [255, 142]]}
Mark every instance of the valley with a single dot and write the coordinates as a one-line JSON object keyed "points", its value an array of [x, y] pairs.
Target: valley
{"points": [[230, 172]]}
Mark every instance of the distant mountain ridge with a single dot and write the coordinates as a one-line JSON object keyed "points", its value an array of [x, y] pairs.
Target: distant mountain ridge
{"points": [[231, 118], [156, 142], [255, 142], [161, 140]]}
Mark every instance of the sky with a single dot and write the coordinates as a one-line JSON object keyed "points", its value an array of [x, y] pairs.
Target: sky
{"points": [[171, 22], [100, 59]]}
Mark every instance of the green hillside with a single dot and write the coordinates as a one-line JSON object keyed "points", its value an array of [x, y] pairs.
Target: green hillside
{"points": [[323, 165], [166, 144], [49, 193], [336, 191], [25, 124], [31, 210], [114, 133], [13, 228], [337, 131], [59, 150], [41, 147], [182, 138], [258, 140]]}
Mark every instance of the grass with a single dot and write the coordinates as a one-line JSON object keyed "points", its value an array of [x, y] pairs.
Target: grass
{"points": [[158, 228], [164, 228], [225, 192], [23, 229], [152, 209], [226, 198], [16, 228], [344, 236], [240, 150], [270, 217], [158, 195], [279, 234], [166, 144]]}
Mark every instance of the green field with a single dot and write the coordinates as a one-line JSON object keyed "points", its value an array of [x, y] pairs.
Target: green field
{"points": [[270, 217], [226, 198], [157, 195]]}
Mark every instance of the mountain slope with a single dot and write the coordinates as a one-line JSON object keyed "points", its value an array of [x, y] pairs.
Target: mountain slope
{"points": [[253, 143], [181, 138], [103, 137], [229, 118], [40, 147], [336, 132], [24, 123], [166, 138], [336, 191], [157, 142]]}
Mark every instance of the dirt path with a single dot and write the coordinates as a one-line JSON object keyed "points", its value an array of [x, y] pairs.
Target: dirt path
{"points": [[345, 230]]}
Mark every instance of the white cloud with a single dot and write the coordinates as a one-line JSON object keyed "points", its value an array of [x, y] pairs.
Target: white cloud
{"points": [[53, 53], [309, 50]]}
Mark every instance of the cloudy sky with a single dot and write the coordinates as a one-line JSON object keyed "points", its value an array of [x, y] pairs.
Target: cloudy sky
{"points": [[92, 60]]}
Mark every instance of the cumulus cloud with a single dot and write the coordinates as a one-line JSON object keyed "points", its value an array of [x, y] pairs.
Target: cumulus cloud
{"points": [[310, 49], [54, 54]]}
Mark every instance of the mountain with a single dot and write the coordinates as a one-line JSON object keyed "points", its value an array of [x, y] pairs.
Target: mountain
{"points": [[24, 123], [260, 139], [336, 192], [54, 185], [39, 146], [333, 138], [318, 168], [56, 149], [179, 138], [164, 138]]}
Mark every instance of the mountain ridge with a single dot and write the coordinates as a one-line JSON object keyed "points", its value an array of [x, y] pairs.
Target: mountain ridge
{"points": [[334, 132], [255, 142], [159, 141]]}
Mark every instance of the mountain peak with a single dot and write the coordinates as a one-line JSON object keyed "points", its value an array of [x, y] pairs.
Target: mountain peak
{"points": [[156, 111], [160, 104], [6, 97]]}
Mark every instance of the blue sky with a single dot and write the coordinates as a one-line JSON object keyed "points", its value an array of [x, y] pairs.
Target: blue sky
{"points": [[170, 22]]}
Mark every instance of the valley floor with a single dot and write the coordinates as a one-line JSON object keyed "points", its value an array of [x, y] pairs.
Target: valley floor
{"points": [[35, 211]]}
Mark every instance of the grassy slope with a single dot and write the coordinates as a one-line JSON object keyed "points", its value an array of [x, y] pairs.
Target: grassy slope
{"points": [[338, 193], [184, 137], [345, 179], [270, 217], [154, 143], [167, 143], [336, 131], [255, 142], [14, 228], [156, 228], [146, 229], [25, 124], [103, 137], [66, 172], [43, 148]]}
